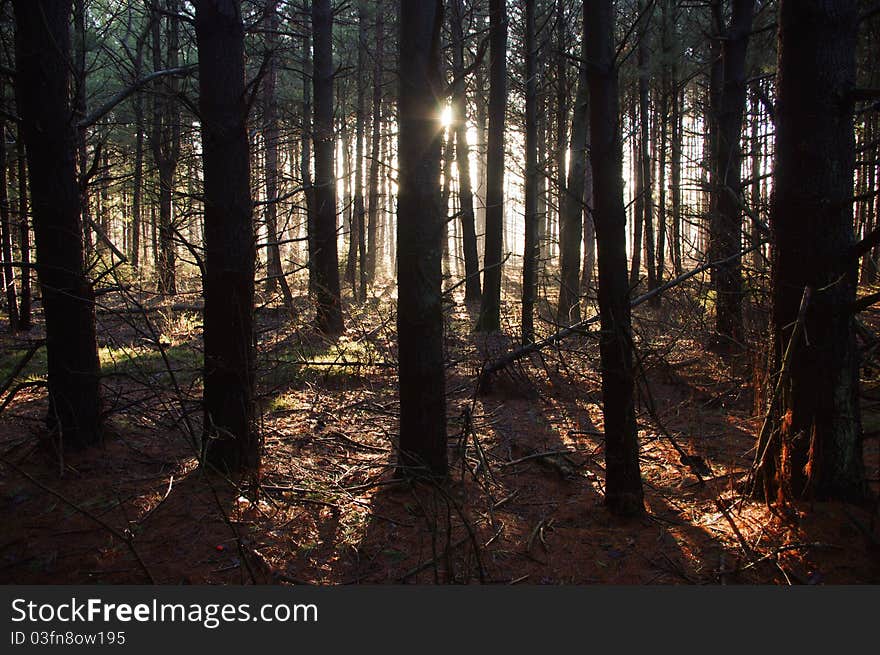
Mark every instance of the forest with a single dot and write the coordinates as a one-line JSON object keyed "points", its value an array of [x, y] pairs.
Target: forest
{"points": [[332, 292]]}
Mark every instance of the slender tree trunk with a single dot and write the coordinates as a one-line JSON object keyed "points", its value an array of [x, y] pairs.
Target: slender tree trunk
{"points": [[233, 442], [530, 249], [755, 233], [639, 201], [24, 237], [329, 316], [6, 235], [42, 47], [375, 141], [677, 133], [490, 308], [472, 288], [80, 110], [818, 451], [644, 63], [420, 226], [571, 218], [623, 484], [359, 148], [166, 146], [305, 164], [275, 272]]}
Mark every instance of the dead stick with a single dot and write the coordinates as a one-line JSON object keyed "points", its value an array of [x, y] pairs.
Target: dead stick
{"points": [[784, 373], [127, 540], [577, 327]]}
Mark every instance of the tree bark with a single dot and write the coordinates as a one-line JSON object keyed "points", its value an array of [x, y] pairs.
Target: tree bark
{"points": [[472, 287], [329, 315], [375, 141], [726, 232], [623, 484], [42, 46], [419, 227], [24, 237], [233, 442], [490, 308], [530, 249], [818, 451], [571, 223]]}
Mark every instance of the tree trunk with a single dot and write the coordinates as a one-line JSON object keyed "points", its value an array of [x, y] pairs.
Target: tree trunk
{"points": [[329, 316], [571, 219], [490, 308], [726, 232], [623, 484], [165, 143], [275, 272], [6, 235], [42, 46], [419, 227], [644, 63], [359, 149], [24, 237], [818, 451], [375, 141], [530, 249], [472, 287], [305, 164], [230, 250]]}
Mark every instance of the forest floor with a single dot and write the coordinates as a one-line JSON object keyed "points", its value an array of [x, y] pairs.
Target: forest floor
{"points": [[524, 502]]}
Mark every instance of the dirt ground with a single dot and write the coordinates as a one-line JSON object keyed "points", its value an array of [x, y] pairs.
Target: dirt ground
{"points": [[523, 505]]}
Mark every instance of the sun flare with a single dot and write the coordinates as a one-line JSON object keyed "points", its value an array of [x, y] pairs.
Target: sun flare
{"points": [[446, 116]]}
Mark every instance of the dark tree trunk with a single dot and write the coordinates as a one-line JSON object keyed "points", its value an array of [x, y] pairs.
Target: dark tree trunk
{"points": [[675, 173], [165, 143], [561, 120], [6, 236], [644, 62], [138, 177], [24, 237], [42, 46], [638, 200], [305, 163], [329, 316], [571, 221], [80, 110], [275, 272], [530, 250], [233, 442], [490, 308], [472, 287], [359, 212], [818, 450], [375, 141], [419, 227], [726, 228], [623, 484]]}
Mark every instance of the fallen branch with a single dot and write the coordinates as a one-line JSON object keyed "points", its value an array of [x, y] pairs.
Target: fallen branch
{"points": [[575, 328]]}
